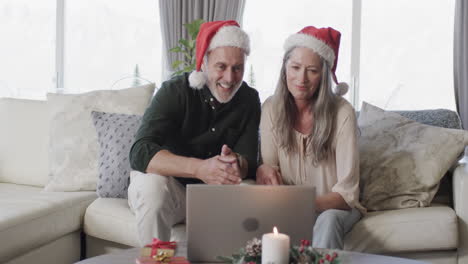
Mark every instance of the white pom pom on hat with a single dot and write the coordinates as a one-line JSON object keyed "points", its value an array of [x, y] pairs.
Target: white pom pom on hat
{"points": [[326, 43], [213, 35], [197, 79], [341, 89]]}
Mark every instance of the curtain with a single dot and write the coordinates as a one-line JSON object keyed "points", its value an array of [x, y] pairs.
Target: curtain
{"points": [[175, 13], [460, 60]]}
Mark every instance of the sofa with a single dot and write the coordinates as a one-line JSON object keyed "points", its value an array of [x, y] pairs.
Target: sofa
{"points": [[63, 227]]}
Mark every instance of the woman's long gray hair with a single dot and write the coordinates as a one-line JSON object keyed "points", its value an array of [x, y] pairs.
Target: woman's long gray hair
{"points": [[323, 105]]}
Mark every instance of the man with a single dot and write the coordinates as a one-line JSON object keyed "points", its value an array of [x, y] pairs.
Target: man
{"points": [[201, 128]]}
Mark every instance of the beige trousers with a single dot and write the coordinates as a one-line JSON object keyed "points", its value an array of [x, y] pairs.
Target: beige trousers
{"points": [[158, 203]]}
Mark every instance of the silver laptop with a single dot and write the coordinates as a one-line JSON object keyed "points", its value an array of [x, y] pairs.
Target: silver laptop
{"points": [[222, 218]]}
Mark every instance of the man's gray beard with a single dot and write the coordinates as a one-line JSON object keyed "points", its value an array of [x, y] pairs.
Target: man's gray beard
{"points": [[215, 93]]}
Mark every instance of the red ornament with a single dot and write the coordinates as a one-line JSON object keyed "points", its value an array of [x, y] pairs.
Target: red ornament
{"points": [[305, 242]]}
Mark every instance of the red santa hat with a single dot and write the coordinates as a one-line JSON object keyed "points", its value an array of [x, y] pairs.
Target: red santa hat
{"points": [[325, 42], [214, 35]]}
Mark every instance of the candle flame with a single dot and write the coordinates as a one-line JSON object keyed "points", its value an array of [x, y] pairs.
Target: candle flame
{"points": [[275, 230]]}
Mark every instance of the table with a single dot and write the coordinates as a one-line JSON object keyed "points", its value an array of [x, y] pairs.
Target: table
{"points": [[128, 256]]}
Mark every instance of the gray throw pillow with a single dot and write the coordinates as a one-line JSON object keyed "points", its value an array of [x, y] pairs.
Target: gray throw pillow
{"points": [[403, 161], [115, 133]]}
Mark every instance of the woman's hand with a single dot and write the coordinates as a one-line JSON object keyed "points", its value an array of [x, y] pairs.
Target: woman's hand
{"points": [[268, 175]]}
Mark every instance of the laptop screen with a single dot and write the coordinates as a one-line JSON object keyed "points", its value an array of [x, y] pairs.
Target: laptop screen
{"points": [[222, 218]]}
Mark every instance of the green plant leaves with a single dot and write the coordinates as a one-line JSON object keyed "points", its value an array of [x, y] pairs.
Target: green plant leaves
{"points": [[192, 44], [194, 27], [176, 64], [176, 49], [187, 48], [185, 43]]}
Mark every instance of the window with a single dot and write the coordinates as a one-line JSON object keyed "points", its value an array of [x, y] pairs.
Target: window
{"points": [[269, 23], [407, 54], [74, 46], [105, 40], [403, 59], [27, 64]]}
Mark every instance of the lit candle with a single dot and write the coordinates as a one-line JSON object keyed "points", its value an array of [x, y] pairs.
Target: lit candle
{"points": [[275, 248]]}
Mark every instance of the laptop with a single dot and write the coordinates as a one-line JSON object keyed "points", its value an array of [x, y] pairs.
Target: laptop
{"points": [[222, 218]]}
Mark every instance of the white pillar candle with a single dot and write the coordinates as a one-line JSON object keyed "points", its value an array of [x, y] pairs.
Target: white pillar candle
{"points": [[275, 248]]}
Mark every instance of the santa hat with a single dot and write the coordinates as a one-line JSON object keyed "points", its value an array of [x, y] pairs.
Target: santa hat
{"points": [[325, 42], [214, 35]]}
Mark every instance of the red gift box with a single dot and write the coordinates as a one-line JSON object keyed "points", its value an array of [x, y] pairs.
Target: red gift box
{"points": [[160, 252], [158, 246]]}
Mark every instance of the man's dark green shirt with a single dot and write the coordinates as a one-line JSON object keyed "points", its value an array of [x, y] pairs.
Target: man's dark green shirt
{"points": [[192, 123]]}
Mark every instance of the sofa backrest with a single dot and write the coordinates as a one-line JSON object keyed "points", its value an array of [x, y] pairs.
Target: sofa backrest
{"points": [[433, 117], [436, 117], [24, 141]]}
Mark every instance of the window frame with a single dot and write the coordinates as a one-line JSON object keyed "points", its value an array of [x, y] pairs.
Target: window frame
{"points": [[355, 52], [60, 47]]}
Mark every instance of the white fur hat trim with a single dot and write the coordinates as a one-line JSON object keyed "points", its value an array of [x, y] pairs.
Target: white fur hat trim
{"points": [[307, 41], [230, 36]]}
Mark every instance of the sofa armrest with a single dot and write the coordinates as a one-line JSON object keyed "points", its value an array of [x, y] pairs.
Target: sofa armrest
{"points": [[460, 204]]}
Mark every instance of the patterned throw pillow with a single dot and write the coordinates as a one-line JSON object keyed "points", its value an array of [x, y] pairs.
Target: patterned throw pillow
{"points": [[115, 133], [403, 161]]}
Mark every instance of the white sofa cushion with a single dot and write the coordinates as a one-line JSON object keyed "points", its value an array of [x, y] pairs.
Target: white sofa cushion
{"points": [[73, 149], [405, 230], [30, 218], [66, 249], [24, 141], [111, 219], [392, 231]]}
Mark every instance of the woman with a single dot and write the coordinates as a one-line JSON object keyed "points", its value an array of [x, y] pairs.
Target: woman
{"points": [[309, 134]]}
